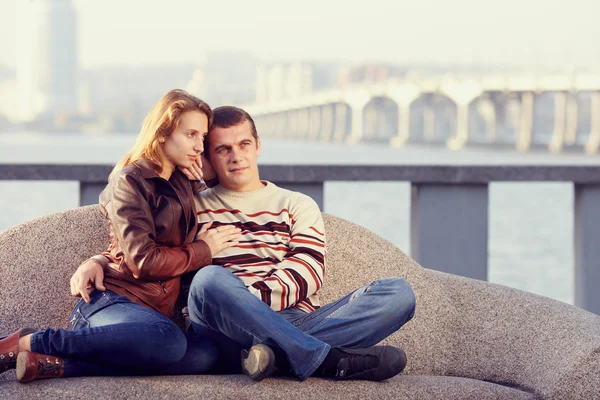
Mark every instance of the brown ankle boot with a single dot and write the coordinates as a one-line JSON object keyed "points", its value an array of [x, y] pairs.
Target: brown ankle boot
{"points": [[9, 348], [32, 366]]}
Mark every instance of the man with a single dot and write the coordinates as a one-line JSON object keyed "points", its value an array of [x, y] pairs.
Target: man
{"points": [[262, 294]]}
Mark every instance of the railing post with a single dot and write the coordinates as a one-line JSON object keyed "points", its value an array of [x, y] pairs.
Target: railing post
{"points": [[311, 189], [586, 248], [89, 192], [449, 228]]}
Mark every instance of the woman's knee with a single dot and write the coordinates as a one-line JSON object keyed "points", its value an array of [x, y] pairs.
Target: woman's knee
{"points": [[201, 355], [174, 343]]}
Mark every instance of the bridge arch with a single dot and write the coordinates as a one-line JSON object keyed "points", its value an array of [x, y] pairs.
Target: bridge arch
{"points": [[380, 119], [432, 118]]}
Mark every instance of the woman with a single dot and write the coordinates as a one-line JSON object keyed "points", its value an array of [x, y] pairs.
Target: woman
{"points": [[154, 239]]}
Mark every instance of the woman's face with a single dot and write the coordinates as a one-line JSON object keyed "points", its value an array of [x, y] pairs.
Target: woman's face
{"points": [[186, 143]]}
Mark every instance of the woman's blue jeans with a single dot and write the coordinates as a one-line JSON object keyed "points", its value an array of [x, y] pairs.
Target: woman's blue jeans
{"points": [[112, 336]]}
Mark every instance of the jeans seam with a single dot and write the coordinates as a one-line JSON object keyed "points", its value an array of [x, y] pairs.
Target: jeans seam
{"points": [[242, 329], [350, 299], [312, 367]]}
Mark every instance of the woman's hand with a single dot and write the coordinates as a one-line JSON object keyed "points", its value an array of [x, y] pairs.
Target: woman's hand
{"points": [[219, 238], [200, 169], [194, 173], [88, 277], [208, 171]]}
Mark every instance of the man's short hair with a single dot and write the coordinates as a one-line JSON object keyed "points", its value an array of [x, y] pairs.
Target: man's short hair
{"points": [[226, 117]]}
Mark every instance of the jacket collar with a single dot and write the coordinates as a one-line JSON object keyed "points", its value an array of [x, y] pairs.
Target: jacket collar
{"points": [[147, 171]]}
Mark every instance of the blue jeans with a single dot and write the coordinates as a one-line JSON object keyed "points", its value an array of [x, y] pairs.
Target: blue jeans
{"points": [[221, 307], [114, 336]]}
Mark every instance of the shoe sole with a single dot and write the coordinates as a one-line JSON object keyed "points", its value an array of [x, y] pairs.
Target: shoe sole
{"points": [[21, 366], [254, 363]]}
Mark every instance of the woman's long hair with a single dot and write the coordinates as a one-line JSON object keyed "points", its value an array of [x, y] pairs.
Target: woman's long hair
{"points": [[162, 120]]}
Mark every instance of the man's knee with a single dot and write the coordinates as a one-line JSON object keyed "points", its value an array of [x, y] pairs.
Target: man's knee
{"points": [[402, 297], [212, 280]]}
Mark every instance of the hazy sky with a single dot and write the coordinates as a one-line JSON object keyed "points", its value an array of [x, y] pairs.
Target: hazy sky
{"points": [[532, 33]]}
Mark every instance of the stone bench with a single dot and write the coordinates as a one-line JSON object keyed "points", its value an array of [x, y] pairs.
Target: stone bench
{"points": [[469, 339]]}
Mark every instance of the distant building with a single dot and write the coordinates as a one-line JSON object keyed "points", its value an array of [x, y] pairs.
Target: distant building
{"points": [[364, 73], [47, 58], [282, 81], [224, 78], [278, 81]]}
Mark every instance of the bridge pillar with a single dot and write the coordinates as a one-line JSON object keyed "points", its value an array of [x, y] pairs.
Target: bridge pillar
{"points": [[462, 94], [404, 96], [279, 124], [304, 123], [315, 122], [293, 124], [526, 122], [357, 99], [572, 120], [458, 141], [591, 147], [487, 109], [326, 123], [558, 135], [370, 122], [267, 123], [341, 113], [261, 125]]}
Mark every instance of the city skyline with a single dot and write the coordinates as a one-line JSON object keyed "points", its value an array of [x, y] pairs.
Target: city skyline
{"points": [[530, 34]]}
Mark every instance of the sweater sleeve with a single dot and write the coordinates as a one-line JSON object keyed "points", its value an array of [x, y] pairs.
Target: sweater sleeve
{"points": [[300, 273]]}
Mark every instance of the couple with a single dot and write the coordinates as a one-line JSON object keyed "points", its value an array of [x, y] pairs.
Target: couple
{"points": [[251, 254]]}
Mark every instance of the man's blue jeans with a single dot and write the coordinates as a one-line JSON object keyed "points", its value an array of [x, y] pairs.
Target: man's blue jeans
{"points": [[114, 336], [221, 306]]}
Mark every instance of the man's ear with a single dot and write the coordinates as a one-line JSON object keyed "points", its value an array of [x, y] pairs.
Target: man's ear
{"points": [[258, 146]]}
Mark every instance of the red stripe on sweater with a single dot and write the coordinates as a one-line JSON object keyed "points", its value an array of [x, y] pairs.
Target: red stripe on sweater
{"points": [[309, 268], [313, 228], [258, 246], [283, 287], [219, 211], [307, 242], [295, 284]]}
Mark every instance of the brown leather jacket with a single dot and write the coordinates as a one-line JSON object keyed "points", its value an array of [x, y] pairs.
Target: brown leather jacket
{"points": [[153, 226]]}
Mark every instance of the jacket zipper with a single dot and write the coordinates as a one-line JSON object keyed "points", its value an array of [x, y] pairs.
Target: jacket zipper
{"points": [[164, 287]]}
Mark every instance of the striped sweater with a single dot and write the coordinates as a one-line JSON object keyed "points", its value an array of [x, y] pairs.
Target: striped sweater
{"points": [[281, 254]]}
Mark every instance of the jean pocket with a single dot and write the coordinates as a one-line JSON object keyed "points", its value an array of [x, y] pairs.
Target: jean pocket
{"points": [[83, 311], [77, 320]]}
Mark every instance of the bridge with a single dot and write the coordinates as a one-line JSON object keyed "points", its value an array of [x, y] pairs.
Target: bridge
{"points": [[555, 112]]}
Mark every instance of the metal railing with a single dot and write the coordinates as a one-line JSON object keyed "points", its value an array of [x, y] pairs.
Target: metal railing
{"points": [[455, 194]]}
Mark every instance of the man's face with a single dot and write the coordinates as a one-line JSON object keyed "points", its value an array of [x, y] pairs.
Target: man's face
{"points": [[233, 153]]}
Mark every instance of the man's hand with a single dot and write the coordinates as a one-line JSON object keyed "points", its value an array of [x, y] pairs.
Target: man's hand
{"points": [[194, 173], [89, 276]]}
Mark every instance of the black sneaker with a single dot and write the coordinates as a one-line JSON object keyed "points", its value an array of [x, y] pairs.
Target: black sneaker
{"points": [[372, 364], [258, 362]]}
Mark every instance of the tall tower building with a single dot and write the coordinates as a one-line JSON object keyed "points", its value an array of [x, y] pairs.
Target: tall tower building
{"points": [[47, 59], [283, 81]]}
